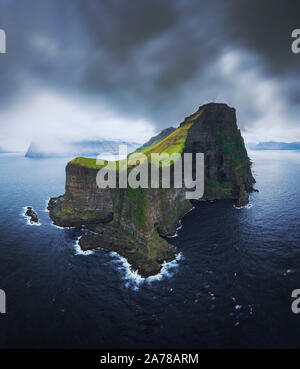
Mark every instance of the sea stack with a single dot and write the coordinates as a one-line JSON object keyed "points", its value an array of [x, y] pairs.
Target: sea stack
{"points": [[32, 215], [135, 222]]}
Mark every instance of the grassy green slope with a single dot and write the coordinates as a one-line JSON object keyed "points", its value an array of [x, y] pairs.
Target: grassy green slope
{"points": [[172, 144]]}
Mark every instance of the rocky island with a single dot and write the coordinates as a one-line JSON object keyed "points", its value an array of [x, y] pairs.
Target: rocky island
{"points": [[135, 223], [32, 215]]}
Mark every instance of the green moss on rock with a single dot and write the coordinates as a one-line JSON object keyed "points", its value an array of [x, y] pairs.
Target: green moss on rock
{"points": [[234, 147], [138, 201], [214, 188]]}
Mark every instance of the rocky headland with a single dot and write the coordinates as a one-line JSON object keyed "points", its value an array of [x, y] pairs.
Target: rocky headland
{"points": [[136, 222]]}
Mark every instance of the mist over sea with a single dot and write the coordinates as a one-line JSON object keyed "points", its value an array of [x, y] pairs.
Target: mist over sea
{"points": [[230, 288]]}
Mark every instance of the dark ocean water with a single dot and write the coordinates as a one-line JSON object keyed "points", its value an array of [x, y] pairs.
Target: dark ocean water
{"points": [[231, 288]]}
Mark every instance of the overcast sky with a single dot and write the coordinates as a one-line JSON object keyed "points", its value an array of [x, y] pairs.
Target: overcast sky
{"points": [[82, 69]]}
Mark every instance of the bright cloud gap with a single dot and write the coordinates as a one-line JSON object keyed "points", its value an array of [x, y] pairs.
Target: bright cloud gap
{"points": [[54, 121]]}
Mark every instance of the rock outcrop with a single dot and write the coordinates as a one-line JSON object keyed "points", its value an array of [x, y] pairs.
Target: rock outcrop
{"points": [[133, 222], [32, 215]]}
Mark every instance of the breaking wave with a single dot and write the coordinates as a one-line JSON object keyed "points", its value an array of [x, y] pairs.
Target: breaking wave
{"points": [[79, 251], [134, 279], [248, 206]]}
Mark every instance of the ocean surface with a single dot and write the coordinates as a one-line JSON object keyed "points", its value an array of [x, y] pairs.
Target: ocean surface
{"points": [[230, 288]]}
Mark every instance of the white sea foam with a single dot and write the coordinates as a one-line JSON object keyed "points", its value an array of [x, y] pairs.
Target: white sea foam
{"points": [[288, 271], [47, 202], [193, 208], [28, 222], [174, 235], [79, 251], [59, 227], [212, 295], [131, 275], [134, 279], [178, 228], [166, 269], [54, 225], [248, 206]]}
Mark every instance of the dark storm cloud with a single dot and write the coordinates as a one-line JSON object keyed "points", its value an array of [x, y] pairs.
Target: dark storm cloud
{"points": [[153, 49], [127, 51], [157, 59], [265, 27], [120, 26]]}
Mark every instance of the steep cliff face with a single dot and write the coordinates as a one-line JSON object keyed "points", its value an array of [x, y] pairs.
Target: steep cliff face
{"points": [[83, 202], [227, 166], [132, 221]]}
